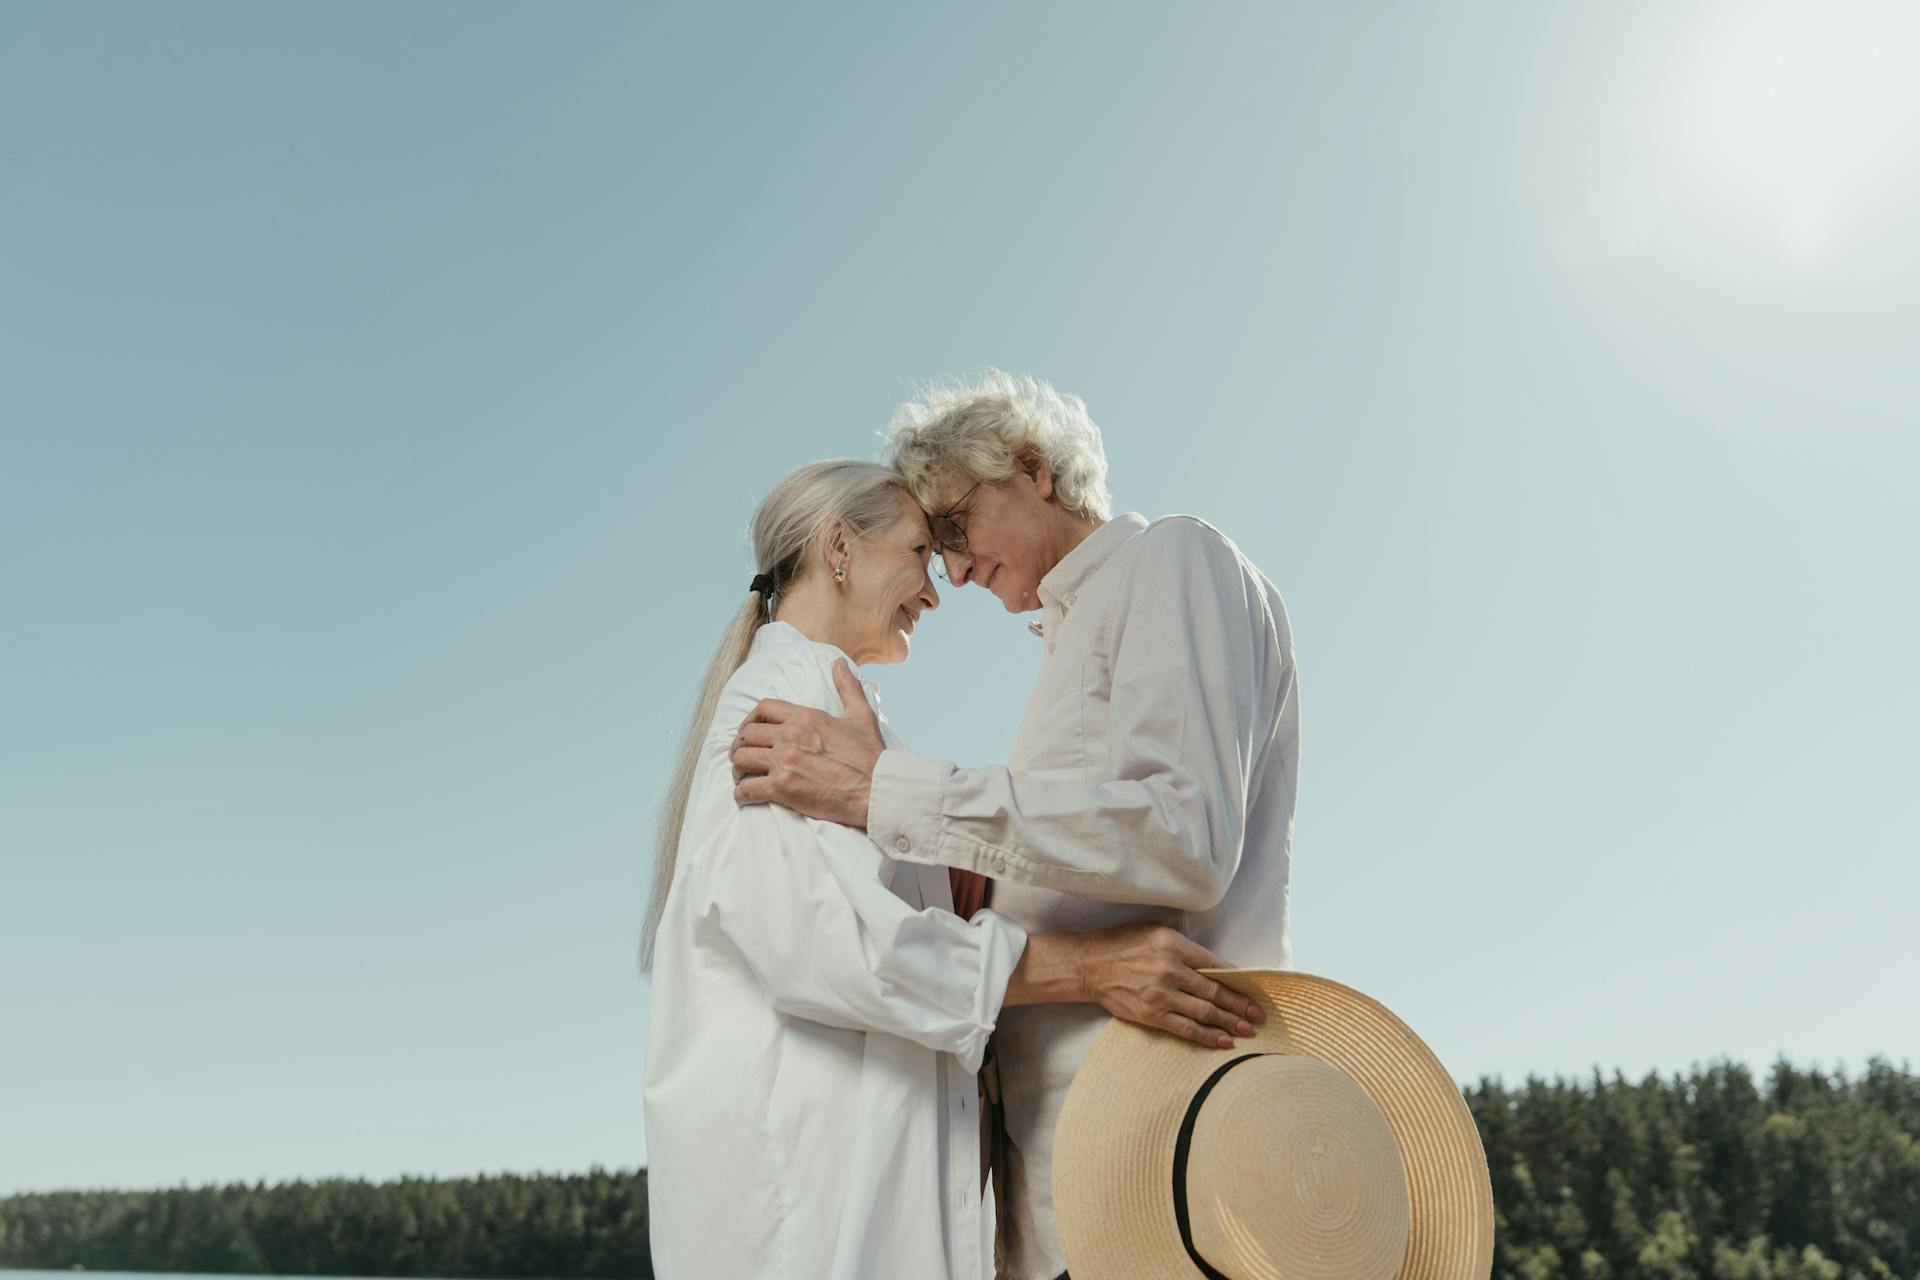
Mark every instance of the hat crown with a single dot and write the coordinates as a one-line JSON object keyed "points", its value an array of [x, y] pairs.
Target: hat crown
{"points": [[1293, 1172]]}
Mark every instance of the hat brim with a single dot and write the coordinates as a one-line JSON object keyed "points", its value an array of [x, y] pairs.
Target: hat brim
{"points": [[1113, 1149]]}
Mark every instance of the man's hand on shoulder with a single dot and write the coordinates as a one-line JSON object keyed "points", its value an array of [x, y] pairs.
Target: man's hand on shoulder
{"points": [[806, 760]]}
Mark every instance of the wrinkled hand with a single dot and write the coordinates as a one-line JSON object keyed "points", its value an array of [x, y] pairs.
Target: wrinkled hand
{"points": [[1146, 973], [808, 761]]}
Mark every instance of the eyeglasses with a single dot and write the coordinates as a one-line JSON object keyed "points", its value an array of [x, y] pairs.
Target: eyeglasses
{"points": [[948, 533]]}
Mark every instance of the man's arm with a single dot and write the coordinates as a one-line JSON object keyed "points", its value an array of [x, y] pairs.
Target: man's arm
{"points": [[807, 906], [1187, 723], [1192, 640], [804, 904]]}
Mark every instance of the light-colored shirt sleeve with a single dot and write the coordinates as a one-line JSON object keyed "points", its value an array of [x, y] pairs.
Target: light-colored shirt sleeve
{"points": [[808, 904], [1194, 668]]}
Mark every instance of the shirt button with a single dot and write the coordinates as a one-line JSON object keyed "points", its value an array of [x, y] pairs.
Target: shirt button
{"points": [[1000, 862], [902, 843]]}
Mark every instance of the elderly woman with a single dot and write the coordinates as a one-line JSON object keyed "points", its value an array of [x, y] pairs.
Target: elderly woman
{"points": [[818, 1007], [1154, 776]]}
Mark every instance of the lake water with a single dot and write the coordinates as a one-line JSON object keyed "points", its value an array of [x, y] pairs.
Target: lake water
{"points": [[11, 1274]]}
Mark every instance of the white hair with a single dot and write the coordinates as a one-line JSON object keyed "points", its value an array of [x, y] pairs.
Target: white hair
{"points": [[977, 429], [788, 524]]}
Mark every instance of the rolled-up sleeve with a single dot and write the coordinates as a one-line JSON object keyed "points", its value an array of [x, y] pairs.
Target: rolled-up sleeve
{"points": [[806, 904], [1197, 682]]}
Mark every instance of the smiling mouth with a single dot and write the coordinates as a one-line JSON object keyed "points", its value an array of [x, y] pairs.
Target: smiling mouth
{"points": [[912, 619], [988, 584]]}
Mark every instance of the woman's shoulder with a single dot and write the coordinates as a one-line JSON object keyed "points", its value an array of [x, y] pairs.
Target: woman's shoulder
{"points": [[797, 670]]}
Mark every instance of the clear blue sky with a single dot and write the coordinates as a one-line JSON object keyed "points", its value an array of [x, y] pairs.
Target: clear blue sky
{"points": [[384, 389]]}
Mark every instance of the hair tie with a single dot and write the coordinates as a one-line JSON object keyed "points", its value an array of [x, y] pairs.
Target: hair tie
{"points": [[763, 583]]}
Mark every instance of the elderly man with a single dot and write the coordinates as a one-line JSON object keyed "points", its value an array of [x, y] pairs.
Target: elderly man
{"points": [[1154, 775]]}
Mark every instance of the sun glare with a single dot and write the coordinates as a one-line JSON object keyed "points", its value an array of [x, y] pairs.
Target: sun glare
{"points": [[1799, 116]]}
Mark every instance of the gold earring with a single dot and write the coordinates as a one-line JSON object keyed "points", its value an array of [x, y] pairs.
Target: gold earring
{"points": [[840, 574]]}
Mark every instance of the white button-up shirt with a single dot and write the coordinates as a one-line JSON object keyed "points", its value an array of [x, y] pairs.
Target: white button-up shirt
{"points": [[817, 1016], [1153, 779]]}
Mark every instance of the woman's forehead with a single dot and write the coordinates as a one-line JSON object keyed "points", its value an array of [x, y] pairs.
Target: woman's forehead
{"points": [[910, 511]]}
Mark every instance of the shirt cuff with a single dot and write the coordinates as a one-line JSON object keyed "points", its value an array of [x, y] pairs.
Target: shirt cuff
{"points": [[904, 807], [1002, 942]]}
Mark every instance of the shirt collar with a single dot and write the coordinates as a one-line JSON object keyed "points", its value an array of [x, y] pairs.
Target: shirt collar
{"points": [[1066, 580], [776, 635], [784, 635]]}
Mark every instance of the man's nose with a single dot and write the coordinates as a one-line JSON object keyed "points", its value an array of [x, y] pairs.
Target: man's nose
{"points": [[959, 566]]}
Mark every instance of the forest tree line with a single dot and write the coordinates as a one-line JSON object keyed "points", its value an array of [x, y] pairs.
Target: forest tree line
{"points": [[1711, 1175], [592, 1224]]}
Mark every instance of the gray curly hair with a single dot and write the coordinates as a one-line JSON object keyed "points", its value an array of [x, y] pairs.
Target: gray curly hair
{"points": [[976, 429]]}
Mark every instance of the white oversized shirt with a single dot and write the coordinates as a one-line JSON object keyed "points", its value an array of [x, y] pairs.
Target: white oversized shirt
{"points": [[817, 1016], [1153, 779]]}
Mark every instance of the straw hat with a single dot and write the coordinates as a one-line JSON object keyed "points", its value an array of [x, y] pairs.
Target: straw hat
{"points": [[1331, 1145]]}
